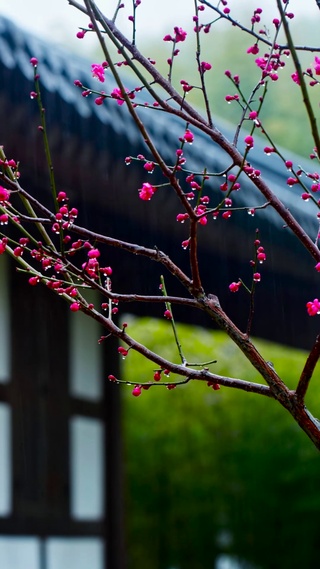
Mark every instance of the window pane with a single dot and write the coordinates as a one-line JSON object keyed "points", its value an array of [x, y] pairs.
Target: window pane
{"points": [[87, 468], [19, 553], [85, 354], [5, 461], [4, 321], [84, 553]]}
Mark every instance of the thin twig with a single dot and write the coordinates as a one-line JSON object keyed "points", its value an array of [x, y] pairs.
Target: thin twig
{"points": [[307, 371], [252, 33]]}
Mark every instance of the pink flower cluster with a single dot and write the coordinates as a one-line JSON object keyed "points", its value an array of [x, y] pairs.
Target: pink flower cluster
{"points": [[116, 94], [4, 195], [270, 64], [98, 71], [313, 307], [179, 35], [234, 287], [146, 192]]}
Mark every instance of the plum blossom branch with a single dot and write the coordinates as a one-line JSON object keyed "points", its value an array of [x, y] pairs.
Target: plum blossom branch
{"points": [[69, 277], [214, 379], [190, 115], [178, 369], [251, 32], [308, 370], [303, 87], [194, 118]]}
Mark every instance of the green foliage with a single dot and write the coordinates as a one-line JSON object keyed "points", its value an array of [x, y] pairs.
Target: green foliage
{"points": [[211, 472]]}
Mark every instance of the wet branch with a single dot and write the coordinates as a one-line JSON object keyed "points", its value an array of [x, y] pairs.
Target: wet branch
{"points": [[308, 370]]}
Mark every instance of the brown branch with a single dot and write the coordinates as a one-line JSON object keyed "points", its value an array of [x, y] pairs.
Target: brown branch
{"points": [[280, 391], [230, 382], [178, 369], [307, 371], [153, 254]]}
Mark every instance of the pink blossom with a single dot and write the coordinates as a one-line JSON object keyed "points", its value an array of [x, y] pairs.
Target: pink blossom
{"points": [[313, 307], [111, 377], [116, 94], [205, 66], [149, 166], [146, 192], [93, 253], [4, 194], [249, 141], [234, 287], [98, 71], [62, 196], [188, 136], [230, 98], [107, 271], [292, 181], [253, 49], [123, 351], [157, 375], [295, 78], [181, 217], [261, 256], [316, 65], [136, 391], [185, 86], [3, 245], [75, 306], [180, 34], [18, 251]]}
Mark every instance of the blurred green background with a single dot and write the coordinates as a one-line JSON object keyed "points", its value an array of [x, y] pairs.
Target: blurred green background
{"points": [[217, 479]]}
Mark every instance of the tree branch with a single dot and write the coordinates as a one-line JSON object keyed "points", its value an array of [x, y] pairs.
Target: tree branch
{"points": [[307, 371]]}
